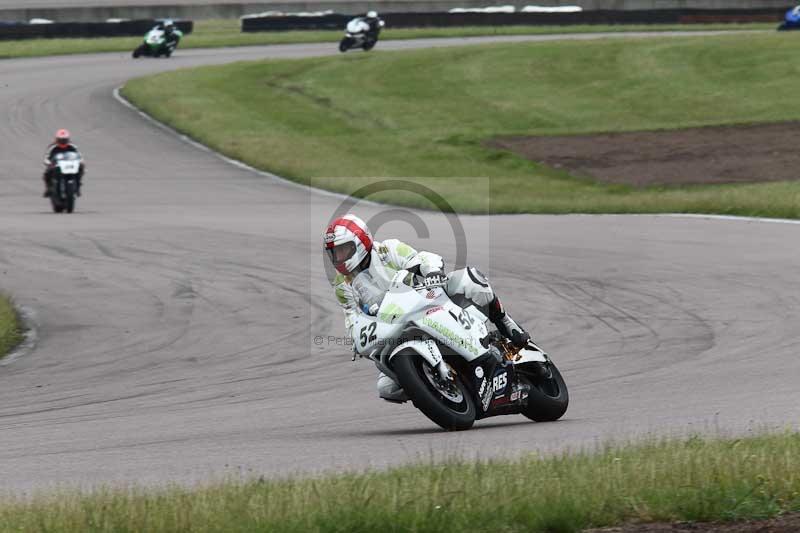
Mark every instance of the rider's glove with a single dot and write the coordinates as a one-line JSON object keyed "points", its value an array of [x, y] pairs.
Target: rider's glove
{"points": [[435, 279]]}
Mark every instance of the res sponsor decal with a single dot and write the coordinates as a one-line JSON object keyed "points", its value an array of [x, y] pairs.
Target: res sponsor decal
{"points": [[434, 310], [500, 382]]}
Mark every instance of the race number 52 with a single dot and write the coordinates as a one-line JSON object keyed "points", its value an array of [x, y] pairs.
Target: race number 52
{"points": [[367, 334]]}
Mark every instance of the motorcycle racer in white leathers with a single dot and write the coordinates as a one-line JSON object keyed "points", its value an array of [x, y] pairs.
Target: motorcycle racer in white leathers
{"points": [[365, 269]]}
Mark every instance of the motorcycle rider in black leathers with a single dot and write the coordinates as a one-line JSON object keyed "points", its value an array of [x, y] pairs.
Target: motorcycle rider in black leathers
{"points": [[170, 35], [61, 145], [375, 24]]}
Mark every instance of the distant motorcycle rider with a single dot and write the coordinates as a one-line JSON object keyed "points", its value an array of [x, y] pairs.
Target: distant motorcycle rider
{"points": [[61, 145], [365, 269], [375, 24], [171, 34]]}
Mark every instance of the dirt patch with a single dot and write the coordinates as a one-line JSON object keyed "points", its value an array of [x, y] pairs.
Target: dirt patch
{"points": [[789, 523], [725, 154]]}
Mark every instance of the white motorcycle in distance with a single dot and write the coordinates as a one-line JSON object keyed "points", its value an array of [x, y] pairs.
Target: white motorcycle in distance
{"points": [[357, 35], [66, 167], [451, 367]]}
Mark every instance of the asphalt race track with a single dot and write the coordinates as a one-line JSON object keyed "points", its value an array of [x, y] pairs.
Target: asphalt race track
{"points": [[177, 310]]}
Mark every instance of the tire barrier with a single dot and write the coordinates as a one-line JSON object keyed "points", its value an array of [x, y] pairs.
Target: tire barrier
{"points": [[125, 28], [444, 19]]}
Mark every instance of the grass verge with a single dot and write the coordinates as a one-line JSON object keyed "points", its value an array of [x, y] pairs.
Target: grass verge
{"points": [[221, 33], [10, 330], [695, 480], [340, 122]]}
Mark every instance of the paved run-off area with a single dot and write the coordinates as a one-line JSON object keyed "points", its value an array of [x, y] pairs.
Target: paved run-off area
{"points": [[178, 309]]}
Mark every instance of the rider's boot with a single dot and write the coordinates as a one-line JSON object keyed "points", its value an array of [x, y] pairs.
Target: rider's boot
{"points": [[46, 186], [506, 325], [389, 390]]}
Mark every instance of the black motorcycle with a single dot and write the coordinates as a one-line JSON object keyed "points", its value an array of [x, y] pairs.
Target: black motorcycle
{"points": [[64, 181]]}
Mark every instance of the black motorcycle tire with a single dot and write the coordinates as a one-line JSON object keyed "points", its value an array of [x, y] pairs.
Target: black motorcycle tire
{"points": [[57, 207], [345, 44], [548, 398], [137, 52], [69, 205], [408, 367], [369, 45]]}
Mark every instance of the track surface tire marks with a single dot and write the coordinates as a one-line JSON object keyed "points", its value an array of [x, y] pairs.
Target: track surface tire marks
{"points": [[178, 309]]}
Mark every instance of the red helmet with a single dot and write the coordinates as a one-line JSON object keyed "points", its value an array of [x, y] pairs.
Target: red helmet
{"points": [[347, 242], [62, 138]]}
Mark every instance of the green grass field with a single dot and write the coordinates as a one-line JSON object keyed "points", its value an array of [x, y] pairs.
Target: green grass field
{"points": [[10, 333], [220, 33], [343, 121], [694, 479]]}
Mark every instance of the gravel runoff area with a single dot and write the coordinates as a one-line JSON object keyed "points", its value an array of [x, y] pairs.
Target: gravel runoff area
{"points": [[709, 155]]}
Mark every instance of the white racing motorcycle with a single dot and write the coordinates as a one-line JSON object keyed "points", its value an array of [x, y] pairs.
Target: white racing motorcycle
{"points": [[357, 35], [451, 367]]}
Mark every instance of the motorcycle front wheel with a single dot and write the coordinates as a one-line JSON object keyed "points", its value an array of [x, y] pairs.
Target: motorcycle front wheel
{"points": [[447, 404], [69, 206], [345, 44]]}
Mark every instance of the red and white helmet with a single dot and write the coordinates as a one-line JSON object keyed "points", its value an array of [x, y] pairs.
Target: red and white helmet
{"points": [[347, 242], [62, 138]]}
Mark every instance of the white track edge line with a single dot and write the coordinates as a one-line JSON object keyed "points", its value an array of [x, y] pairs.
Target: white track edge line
{"points": [[235, 162]]}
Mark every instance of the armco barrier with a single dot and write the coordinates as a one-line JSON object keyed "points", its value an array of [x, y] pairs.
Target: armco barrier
{"points": [[127, 28], [425, 20], [92, 11]]}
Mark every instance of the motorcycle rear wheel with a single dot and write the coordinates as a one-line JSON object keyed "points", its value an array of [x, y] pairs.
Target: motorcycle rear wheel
{"points": [[450, 415], [548, 397]]}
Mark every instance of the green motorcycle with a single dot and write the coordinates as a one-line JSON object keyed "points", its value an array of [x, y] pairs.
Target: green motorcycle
{"points": [[160, 41]]}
